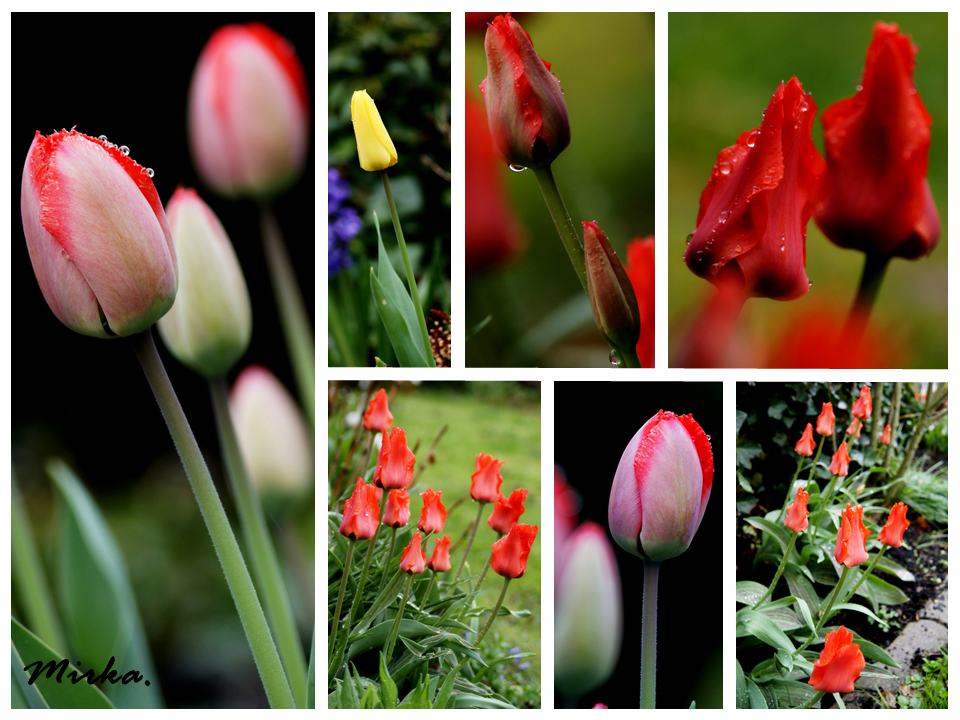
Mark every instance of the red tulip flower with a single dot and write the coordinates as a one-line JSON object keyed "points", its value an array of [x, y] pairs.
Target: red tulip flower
{"points": [[377, 416], [797, 511], [885, 437], [839, 664], [852, 537], [825, 420], [479, 20], [97, 236], [661, 488], [640, 270], [863, 407], [510, 553], [485, 482], [805, 444], [507, 511], [395, 465], [840, 460], [892, 533], [397, 512], [855, 427], [440, 560], [413, 560], [361, 513], [248, 112], [434, 514], [525, 108], [875, 196], [752, 226]]}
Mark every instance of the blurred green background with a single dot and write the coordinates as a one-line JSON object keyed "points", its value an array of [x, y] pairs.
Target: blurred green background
{"points": [[722, 70], [540, 314]]}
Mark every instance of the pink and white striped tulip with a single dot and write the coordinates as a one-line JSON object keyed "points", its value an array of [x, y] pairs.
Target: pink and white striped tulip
{"points": [[661, 488], [247, 112], [97, 236]]}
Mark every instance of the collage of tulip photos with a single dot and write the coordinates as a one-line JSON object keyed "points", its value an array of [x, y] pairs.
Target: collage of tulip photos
{"points": [[163, 507]]}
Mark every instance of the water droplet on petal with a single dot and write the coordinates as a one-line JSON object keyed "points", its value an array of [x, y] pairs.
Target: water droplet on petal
{"points": [[689, 238], [614, 360], [859, 87], [149, 172], [724, 168], [738, 249], [715, 268], [102, 138], [124, 149], [804, 106], [752, 138], [517, 168]]}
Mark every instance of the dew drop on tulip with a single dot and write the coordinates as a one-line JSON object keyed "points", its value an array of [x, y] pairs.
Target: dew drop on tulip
{"points": [[516, 168], [124, 149], [149, 172], [752, 138], [614, 360], [724, 168], [715, 268], [738, 249], [690, 237], [102, 138]]}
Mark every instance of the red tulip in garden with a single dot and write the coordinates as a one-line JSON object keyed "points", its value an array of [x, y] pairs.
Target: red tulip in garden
{"points": [[804, 445], [507, 511], [657, 501], [839, 664]]}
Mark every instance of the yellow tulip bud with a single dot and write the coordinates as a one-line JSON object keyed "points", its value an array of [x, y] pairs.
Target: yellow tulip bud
{"points": [[373, 141]]}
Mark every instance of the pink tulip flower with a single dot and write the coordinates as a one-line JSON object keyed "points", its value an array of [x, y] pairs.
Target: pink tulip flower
{"points": [[661, 488], [248, 112], [98, 239]]}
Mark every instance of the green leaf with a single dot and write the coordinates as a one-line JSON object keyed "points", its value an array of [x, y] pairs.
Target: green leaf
{"points": [[791, 693], [746, 452], [756, 697], [760, 626], [100, 612], [377, 635], [23, 695], [468, 700], [875, 652], [856, 608], [446, 690], [890, 566], [801, 587], [743, 699], [741, 416], [388, 688], [881, 592], [784, 618], [312, 674], [805, 614], [370, 699], [348, 693], [748, 592], [57, 695], [782, 534]]}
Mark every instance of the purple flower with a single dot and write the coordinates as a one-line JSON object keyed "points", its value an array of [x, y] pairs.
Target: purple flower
{"points": [[343, 223]]}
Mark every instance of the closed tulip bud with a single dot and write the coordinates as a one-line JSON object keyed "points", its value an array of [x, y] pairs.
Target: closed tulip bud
{"points": [[276, 447], [805, 444], [863, 407], [485, 482], [661, 488], [840, 461], [440, 560], [434, 514], [507, 511], [855, 427], [852, 537], [526, 111], [97, 235], [612, 298], [892, 533], [248, 112], [397, 512], [361, 513], [825, 420], [511, 552], [589, 613], [885, 437], [378, 417], [395, 464], [839, 665], [797, 511], [374, 145], [413, 560], [208, 328]]}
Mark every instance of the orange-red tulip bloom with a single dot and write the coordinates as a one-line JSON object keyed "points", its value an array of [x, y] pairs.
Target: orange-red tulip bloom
{"points": [[510, 553], [395, 466], [805, 444], [361, 513], [434, 514], [840, 461], [440, 560], [852, 537], [892, 533], [640, 270], [863, 407], [855, 427], [885, 437], [397, 512], [507, 511], [378, 417], [413, 560], [839, 664], [485, 482], [825, 420], [797, 511]]}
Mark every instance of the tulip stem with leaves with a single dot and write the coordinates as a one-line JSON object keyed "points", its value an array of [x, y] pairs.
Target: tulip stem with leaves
{"points": [[244, 594], [495, 612], [266, 566], [344, 580], [786, 500], [392, 639], [865, 574], [466, 551], [780, 569], [561, 218]]}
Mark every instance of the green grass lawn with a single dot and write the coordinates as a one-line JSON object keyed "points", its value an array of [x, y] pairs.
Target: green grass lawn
{"points": [[506, 426]]}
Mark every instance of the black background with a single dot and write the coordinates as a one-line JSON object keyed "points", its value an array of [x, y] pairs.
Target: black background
{"points": [[126, 77], [594, 422]]}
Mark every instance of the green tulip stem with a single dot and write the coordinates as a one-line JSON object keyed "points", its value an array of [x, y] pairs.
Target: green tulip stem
{"points": [[816, 459], [483, 574], [266, 566], [866, 574], [294, 319], [357, 601], [426, 595], [874, 269], [496, 611], [790, 493], [366, 460], [827, 499], [648, 643], [473, 532], [833, 599], [411, 280], [386, 565], [392, 639], [561, 218], [225, 544], [776, 577], [344, 580], [812, 701]]}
